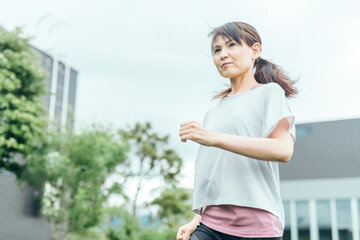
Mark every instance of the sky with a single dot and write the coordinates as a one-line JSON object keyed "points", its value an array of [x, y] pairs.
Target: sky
{"points": [[144, 60]]}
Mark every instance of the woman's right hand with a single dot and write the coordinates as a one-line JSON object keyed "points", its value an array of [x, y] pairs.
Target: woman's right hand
{"points": [[186, 230]]}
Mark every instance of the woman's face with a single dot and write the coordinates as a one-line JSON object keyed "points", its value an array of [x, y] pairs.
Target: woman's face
{"points": [[232, 59]]}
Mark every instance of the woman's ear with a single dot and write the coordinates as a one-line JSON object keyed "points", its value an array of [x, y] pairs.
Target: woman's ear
{"points": [[256, 50]]}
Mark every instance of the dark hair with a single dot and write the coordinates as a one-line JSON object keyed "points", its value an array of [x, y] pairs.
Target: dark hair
{"points": [[265, 71]]}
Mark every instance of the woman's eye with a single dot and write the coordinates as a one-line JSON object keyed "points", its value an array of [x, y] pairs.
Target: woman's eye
{"points": [[232, 44], [216, 50]]}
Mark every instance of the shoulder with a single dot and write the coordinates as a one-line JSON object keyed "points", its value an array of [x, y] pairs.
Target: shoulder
{"points": [[273, 85], [274, 89]]}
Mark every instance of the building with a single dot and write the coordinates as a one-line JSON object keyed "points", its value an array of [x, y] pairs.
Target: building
{"points": [[19, 208], [320, 186], [61, 82]]}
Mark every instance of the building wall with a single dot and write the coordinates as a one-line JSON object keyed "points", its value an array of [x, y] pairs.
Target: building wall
{"points": [[59, 92], [47, 63], [19, 215], [322, 208], [71, 98], [325, 150], [320, 186], [61, 84]]}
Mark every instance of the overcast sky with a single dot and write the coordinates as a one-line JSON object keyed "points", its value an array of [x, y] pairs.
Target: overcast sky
{"points": [[150, 60]]}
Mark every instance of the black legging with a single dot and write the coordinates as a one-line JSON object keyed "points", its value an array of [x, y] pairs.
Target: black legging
{"points": [[203, 232]]}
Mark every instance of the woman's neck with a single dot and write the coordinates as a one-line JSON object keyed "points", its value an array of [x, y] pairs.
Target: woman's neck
{"points": [[242, 83]]}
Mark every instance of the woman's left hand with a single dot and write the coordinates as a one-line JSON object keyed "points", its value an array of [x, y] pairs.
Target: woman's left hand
{"points": [[196, 132]]}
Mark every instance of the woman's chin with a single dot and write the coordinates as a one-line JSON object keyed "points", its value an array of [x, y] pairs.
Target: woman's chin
{"points": [[228, 75]]}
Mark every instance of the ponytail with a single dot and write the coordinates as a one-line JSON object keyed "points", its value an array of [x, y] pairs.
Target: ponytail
{"points": [[266, 72]]}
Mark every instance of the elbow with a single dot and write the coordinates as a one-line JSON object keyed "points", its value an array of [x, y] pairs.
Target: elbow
{"points": [[284, 153], [282, 157], [286, 156]]}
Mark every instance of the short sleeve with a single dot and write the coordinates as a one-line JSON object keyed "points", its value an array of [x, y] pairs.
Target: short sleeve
{"points": [[276, 108]]}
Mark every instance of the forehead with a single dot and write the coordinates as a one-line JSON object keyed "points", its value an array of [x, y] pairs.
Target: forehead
{"points": [[221, 40]]}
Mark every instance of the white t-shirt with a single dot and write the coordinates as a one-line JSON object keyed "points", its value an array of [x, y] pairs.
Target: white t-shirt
{"points": [[224, 177]]}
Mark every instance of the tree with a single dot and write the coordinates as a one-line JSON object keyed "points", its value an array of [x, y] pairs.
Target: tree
{"points": [[150, 158], [22, 111], [120, 225], [76, 169], [174, 206]]}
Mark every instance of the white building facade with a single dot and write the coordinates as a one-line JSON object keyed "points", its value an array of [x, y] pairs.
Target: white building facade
{"points": [[320, 186]]}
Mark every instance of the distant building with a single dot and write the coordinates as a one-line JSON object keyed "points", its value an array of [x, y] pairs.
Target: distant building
{"points": [[320, 186], [19, 208], [61, 82]]}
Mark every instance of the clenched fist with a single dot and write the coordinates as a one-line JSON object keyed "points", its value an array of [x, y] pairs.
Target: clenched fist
{"points": [[186, 230], [196, 132]]}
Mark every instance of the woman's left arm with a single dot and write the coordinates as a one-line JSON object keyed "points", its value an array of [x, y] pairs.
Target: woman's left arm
{"points": [[278, 147]]}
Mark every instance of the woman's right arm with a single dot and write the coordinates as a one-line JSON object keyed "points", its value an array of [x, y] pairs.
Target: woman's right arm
{"points": [[186, 230]]}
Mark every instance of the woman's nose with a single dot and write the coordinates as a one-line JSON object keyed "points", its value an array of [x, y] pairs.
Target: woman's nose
{"points": [[224, 55]]}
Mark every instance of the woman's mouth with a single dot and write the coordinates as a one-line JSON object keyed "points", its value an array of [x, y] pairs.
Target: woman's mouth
{"points": [[225, 64]]}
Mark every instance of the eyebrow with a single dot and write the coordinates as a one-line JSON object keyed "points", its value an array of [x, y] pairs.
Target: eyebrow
{"points": [[215, 46]]}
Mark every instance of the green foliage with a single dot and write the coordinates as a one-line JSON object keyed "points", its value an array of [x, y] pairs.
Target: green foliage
{"points": [[152, 152], [151, 159], [22, 111], [125, 226], [128, 228], [174, 206], [90, 234], [155, 233], [76, 168]]}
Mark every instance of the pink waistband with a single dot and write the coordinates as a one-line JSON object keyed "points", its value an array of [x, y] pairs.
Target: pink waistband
{"points": [[242, 221]]}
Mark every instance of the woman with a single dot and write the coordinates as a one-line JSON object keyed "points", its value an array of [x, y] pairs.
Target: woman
{"points": [[242, 140]]}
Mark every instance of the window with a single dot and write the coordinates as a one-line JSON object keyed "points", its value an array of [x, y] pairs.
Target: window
{"points": [[303, 131], [287, 230], [303, 220], [358, 205], [343, 212], [324, 220]]}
